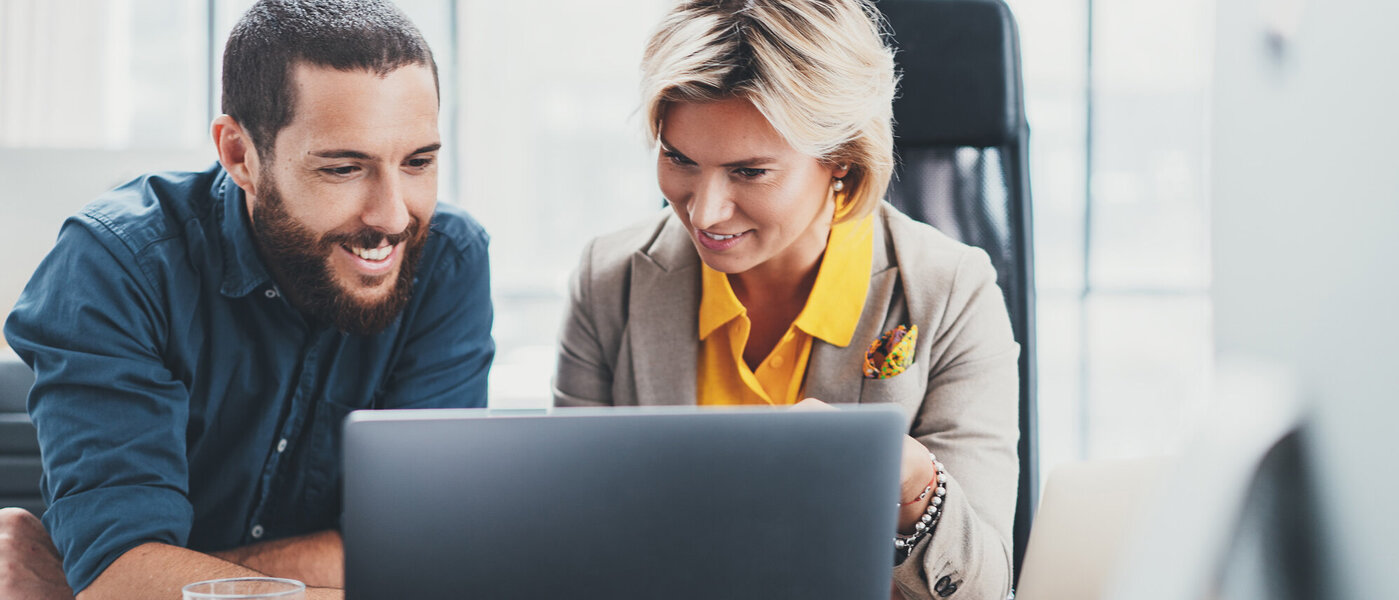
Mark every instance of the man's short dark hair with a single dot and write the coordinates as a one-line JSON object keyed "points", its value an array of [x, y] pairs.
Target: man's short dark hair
{"points": [[275, 35]]}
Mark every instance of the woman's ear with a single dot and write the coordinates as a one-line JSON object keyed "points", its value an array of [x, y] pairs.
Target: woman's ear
{"points": [[841, 170]]}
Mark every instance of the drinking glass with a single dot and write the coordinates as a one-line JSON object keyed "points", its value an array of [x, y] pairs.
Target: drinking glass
{"points": [[246, 588]]}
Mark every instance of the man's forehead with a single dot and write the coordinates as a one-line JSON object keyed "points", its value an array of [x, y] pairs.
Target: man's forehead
{"points": [[322, 82], [360, 110]]}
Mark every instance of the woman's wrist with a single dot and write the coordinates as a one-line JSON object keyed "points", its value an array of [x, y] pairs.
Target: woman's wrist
{"points": [[910, 514], [918, 482], [918, 518], [917, 471]]}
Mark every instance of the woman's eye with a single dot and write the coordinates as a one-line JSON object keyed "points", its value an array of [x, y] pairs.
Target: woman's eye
{"points": [[750, 172], [677, 158]]}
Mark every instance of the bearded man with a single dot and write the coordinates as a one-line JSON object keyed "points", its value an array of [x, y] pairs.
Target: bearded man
{"points": [[198, 338]]}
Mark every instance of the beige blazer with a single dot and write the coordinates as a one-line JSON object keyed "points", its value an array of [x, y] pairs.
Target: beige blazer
{"points": [[632, 337]]}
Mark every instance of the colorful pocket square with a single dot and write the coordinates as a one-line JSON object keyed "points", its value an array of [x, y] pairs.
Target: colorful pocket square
{"points": [[891, 354]]}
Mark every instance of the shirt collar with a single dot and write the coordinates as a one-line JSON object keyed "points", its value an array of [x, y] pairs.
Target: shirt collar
{"points": [[837, 298], [243, 270], [718, 303], [833, 308]]}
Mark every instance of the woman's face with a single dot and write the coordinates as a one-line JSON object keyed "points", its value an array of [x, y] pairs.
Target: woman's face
{"points": [[750, 201]]}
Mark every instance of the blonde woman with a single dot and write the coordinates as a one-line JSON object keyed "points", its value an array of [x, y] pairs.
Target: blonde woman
{"points": [[779, 274]]}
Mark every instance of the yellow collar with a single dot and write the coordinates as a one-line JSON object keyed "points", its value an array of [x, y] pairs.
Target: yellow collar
{"points": [[837, 298]]}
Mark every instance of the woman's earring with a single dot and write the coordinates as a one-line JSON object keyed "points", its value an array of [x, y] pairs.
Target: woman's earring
{"points": [[839, 185]]}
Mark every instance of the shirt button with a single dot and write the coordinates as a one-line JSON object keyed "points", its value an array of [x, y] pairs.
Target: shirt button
{"points": [[257, 532], [270, 293], [282, 445]]}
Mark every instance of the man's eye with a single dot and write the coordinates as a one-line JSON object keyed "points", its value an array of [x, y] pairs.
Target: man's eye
{"points": [[347, 170], [750, 172], [419, 163]]}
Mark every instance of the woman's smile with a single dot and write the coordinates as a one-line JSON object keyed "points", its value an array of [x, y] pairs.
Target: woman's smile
{"points": [[718, 241]]}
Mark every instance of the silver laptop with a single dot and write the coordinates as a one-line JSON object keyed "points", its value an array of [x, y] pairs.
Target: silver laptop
{"points": [[1087, 514], [621, 503]]}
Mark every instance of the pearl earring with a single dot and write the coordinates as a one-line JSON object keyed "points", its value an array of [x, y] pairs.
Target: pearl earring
{"points": [[839, 185]]}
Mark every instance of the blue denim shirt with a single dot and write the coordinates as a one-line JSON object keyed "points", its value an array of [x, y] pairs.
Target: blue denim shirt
{"points": [[180, 399]]}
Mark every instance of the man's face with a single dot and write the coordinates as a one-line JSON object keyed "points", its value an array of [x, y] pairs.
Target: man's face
{"points": [[343, 205]]}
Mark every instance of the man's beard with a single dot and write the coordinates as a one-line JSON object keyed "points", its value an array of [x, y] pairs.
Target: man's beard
{"points": [[301, 261]]}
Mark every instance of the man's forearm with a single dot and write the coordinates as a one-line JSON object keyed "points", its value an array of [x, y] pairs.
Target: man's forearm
{"points": [[316, 559], [158, 571]]}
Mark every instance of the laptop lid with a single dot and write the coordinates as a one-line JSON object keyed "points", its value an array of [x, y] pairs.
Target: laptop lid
{"points": [[1085, 518], [621, 503]]}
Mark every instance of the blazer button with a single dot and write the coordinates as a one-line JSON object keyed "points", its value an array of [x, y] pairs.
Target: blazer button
{"points": [[945, 586]]}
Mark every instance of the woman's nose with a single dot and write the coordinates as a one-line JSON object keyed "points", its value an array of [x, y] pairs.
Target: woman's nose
{"points": [[711, 203]]}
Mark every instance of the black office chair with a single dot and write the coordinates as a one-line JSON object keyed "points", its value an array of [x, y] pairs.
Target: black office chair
{"points": [[962, 142], [19, 446]]}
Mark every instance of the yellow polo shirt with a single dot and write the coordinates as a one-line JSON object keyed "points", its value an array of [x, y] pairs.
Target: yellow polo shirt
{"points": [[831, 313]]}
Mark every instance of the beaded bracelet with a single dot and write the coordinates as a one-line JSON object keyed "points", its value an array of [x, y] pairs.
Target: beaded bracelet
{"points": [[903, 544]]}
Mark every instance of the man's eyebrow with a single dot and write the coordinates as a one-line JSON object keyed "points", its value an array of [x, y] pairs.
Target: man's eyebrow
{"points": [[356, 154]]}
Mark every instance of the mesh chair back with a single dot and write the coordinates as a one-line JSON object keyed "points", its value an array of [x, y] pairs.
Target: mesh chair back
{"points": [[962, 140], [20, 467]]}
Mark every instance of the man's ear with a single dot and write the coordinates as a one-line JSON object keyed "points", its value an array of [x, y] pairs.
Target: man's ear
{"points": [[237, 153]]}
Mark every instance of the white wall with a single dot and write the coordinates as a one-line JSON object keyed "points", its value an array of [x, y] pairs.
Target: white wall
{"points": [[44, 186], [1305, 196]]}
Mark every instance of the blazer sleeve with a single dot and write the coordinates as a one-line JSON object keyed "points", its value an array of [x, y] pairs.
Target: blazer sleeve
{"points": [[969, 419], [584, 371]]}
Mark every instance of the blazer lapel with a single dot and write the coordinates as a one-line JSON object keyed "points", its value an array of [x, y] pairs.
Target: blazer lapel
{"points": [[664, 323], [835, 374]]}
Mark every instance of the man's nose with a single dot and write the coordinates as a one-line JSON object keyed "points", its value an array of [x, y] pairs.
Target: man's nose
{"points": [[386, 209]]}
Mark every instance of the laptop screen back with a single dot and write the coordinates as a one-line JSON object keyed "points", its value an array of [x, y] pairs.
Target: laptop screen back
{"points": [[582, 503]]}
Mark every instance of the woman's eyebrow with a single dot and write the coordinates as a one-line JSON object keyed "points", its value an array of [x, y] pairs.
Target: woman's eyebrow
{"points": [[669, 148], [747, 162], [750, 162]]}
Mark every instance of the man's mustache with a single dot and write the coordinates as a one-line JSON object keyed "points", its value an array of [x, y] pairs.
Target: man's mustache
{"points": [[369, 237]]}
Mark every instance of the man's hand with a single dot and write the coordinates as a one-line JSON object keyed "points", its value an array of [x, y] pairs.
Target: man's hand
{"points": [[30, 566], [155, 571], [316, 559]]}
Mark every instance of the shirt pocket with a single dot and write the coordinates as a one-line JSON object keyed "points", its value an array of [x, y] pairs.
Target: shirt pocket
{"points": [[330, 420], [326, 446]]}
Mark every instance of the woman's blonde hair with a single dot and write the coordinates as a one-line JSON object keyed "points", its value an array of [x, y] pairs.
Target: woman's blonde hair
{"points": [[818, 70]]}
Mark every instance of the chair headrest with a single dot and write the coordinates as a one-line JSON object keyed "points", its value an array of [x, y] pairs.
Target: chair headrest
{"points": [[960, 61]]}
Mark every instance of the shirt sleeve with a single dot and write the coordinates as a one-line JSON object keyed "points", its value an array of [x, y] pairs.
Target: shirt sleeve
{"points": [[447, 355], [111, 417]]}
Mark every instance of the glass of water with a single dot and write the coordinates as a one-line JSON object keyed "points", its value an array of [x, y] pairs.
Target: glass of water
{"points": [[246, 588]]}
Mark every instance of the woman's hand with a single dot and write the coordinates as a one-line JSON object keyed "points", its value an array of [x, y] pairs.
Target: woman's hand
{"points": [[813, 404], [916, 472]]}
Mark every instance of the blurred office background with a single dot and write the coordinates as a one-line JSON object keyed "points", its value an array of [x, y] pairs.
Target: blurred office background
{"points": [[544, 147]]}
